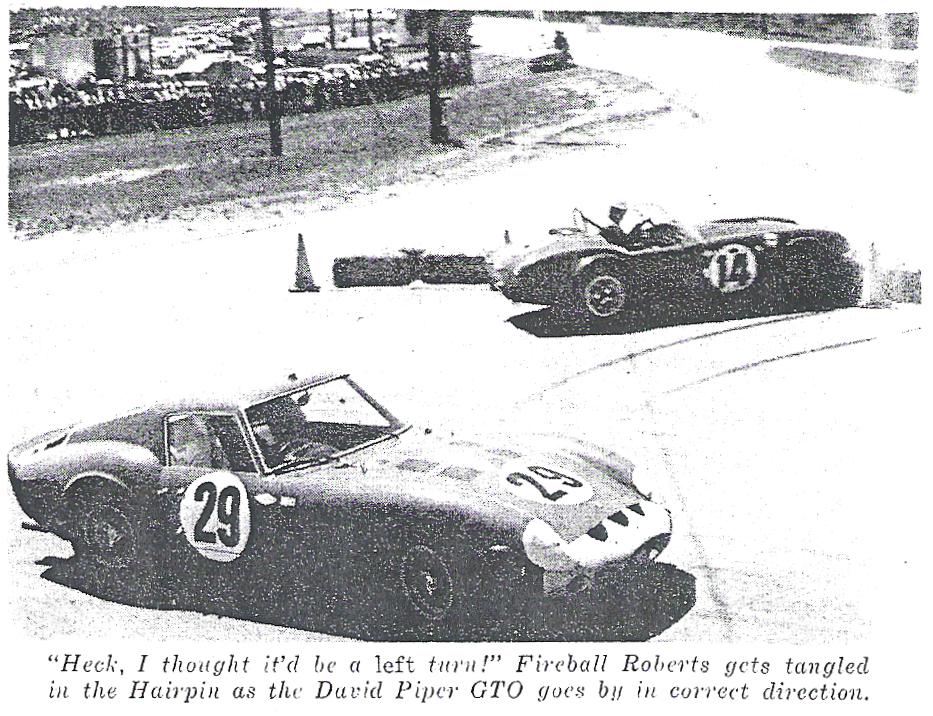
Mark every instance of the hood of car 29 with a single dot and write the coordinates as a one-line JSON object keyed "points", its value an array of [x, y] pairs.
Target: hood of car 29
{"points": [[569, 485]]}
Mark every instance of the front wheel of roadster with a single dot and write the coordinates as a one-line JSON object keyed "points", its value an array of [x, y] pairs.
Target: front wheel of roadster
{"points": [[598, 293], [603, 295], [427, 583]]}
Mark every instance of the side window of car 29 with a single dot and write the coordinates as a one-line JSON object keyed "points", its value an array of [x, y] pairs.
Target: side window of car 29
{"points": [[207, 440]]}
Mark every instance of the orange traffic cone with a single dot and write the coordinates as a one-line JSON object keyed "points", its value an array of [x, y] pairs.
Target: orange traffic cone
{"points": [[303, 279]]}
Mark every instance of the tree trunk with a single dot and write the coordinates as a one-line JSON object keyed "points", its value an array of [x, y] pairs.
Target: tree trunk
{"points": [[272, 97], [436, 107]]}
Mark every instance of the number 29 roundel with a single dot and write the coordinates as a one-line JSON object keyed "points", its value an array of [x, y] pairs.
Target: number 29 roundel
{"points": [[215, 516], [532, 480]]}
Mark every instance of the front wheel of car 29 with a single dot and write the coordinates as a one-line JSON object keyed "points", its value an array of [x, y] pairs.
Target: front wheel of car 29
{"points": [[428, 585]]}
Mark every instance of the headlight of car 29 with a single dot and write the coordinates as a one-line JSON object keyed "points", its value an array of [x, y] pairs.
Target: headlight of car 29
{"points": [[647, 476], [644, 481]]}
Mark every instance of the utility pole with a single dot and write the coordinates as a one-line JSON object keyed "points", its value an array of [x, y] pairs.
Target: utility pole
{"points": [[439, 132], [333, 29], [369, 30], [272, 97]]}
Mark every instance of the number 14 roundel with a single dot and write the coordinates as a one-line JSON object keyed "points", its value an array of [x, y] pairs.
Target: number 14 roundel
{"points": [[215, 516], [733, 268]]}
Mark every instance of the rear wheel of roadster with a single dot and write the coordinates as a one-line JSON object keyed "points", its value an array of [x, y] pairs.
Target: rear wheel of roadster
{"points": [[427, 583]]}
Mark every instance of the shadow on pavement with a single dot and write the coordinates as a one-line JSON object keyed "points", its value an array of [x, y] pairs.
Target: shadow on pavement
{"points": [[550, 323], [637, 610]]}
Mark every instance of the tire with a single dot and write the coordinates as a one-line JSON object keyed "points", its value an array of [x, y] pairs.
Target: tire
{"points": [[829, 292], [599, 293], [103, 526], [428, 585]]}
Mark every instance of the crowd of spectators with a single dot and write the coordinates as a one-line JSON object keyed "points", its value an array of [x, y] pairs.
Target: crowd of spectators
{"points": [[46, 109]]}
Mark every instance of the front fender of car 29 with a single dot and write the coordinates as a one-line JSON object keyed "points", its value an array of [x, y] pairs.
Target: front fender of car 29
{"points": [[544, 563], [601, 526]]}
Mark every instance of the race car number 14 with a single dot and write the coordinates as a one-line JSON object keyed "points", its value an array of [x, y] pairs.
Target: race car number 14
{"points": [[733, 268], [215, 516]]}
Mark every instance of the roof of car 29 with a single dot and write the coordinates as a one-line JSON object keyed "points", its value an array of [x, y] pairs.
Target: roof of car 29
{"points": [[236, 401], [142, 425]]}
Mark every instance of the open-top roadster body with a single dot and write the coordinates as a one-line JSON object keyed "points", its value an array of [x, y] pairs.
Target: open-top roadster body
{"points": [[729, 265]]}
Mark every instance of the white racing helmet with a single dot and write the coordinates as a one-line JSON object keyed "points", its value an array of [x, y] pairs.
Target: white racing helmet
{"points": [[618, 207]]}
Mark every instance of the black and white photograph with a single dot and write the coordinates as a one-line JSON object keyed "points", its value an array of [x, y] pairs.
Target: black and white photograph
{"points": [[513, 355]]}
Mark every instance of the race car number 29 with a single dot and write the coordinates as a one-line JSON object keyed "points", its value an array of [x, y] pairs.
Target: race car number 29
{"points": [[215, 516], [733, 268], [545, 485]]}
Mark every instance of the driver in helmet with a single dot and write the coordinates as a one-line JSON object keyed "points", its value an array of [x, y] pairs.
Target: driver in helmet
{"points": [[626, 227], [560, 42], [192, 443]]}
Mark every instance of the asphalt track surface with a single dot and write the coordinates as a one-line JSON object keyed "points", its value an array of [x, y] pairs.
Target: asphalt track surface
{"points": [[771, 439]]}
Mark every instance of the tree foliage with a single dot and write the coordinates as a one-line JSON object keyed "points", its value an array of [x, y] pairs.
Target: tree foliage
{"points": [[453, 27]]}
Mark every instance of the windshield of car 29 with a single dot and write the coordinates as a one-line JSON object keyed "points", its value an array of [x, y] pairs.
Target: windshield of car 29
{"points": [[312, 425]]}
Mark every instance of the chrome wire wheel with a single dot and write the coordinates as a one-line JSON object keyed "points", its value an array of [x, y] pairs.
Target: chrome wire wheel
{"points": [[427, 582], [604, 296]]}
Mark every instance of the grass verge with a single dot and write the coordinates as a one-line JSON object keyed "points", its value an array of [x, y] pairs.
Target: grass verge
{"points": [[868, 70], [330, 155]]}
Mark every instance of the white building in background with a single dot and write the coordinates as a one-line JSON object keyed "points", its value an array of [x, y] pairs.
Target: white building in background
{"points": [[126, 54], [314, 38], [135, 51], [171, 49], [220, 66], [65, 58]]}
